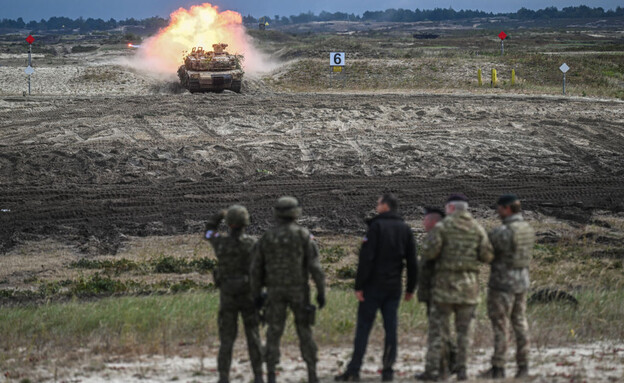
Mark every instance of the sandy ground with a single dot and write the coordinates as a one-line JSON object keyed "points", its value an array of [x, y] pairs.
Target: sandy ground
{"points": [[596, 362]]}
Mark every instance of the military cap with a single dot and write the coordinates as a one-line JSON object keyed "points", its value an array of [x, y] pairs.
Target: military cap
{"points": [[507, 199], [458, 197], [434, 210]]}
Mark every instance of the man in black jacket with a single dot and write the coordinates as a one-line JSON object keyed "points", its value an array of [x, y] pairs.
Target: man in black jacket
{"points": [[387, 249]]}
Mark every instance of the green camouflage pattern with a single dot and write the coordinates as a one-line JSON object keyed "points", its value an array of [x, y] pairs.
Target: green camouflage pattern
{"points": [[439, 336], [504, 307], [284, 259], [458, 244], [513, 244], [234, 252]]}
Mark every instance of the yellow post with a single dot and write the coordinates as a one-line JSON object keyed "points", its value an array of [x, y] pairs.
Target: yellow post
{"points": [[494, 79], [480, 78], [513, 77]]}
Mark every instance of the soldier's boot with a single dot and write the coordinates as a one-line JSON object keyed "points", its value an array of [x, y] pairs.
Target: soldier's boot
{"points": [[523, 372], [312, 378], [452, 362], [348, 376], [259, 379], [427, 377], [494, 373], [271, 377], [387, 375], [461, 374]]}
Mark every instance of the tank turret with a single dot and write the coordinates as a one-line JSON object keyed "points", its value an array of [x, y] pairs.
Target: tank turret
{"points": [[211, 71]]}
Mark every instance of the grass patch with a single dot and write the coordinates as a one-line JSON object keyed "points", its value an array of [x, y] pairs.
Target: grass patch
{"points": [[148, 324], [84, 48], [159, 265]]}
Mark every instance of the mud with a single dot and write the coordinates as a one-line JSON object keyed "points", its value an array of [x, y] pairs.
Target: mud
{"points": [[597, 362], [91, 170]]}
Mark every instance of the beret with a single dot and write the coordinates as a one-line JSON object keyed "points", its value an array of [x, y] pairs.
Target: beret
{"points": [[434, 210], [507, 199], [457, 198]]}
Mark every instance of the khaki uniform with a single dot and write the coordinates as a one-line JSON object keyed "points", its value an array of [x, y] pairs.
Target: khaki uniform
{"points": [[458, 244], [426, 270], [509, 283], [284, 259], [234, 254]]}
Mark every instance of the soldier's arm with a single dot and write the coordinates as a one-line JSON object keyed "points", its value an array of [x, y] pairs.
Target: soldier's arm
{"points": [[486, 251], [367, 256], [212, 226], [314, 267], [411, 263], [256, 273], [501, 240], [432, 247]]}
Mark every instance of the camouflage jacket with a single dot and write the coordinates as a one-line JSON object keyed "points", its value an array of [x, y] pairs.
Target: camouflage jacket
{"points": [[458, 244], [426, 269], [513, 244], [284, 259], [234, 253]]}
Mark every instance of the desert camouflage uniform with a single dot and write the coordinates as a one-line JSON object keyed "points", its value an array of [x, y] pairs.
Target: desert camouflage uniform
{"points": [[509, 282], [284, 258], [234, 254], [458, 243], [425, 282]]}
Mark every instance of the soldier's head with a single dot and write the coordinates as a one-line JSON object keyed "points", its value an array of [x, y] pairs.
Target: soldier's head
{"points": [[386, 203], [508, 205], [456, 203], [287, 208], [433, 215], [237, 217]]}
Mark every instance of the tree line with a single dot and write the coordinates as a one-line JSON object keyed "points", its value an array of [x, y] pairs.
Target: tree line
{"points": [[389, 15]]}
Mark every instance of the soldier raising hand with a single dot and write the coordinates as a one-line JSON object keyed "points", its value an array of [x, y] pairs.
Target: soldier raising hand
{"points": [[233, 250]]}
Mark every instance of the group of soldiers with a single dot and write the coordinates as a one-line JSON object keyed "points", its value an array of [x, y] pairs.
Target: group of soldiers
{"points": [[262, 279]]}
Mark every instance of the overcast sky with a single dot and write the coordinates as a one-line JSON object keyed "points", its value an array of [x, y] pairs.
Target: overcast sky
{"points": [[121, 9]]}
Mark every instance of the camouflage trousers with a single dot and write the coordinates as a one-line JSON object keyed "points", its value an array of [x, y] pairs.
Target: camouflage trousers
{"points": [[277, 305], [504, 308], [440, 333], [449, 353], [230, 308]]}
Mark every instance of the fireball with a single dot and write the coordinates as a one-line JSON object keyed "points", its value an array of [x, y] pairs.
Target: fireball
{"points": [[199, 26]]}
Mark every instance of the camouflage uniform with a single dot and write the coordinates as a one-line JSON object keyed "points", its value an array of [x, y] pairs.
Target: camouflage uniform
{"points": [[284, 259], [425, 282], [458, 243], [234, 253], [509, 282]]}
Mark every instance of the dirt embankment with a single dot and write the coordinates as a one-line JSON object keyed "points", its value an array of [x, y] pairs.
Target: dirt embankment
{"points": [[160, 164]]}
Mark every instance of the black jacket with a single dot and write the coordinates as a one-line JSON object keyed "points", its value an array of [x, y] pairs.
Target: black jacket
{"points": [[388, 247]]}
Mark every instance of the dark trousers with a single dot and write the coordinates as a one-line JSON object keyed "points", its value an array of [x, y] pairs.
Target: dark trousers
{"points": [[388, 304]]}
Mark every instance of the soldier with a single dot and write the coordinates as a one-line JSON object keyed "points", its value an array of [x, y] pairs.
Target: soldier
{"points": [[509, 282], [284, 259], [425, 281], [458, 244], [234, 252]]}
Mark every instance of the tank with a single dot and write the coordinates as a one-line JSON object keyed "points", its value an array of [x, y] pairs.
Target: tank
{"points": [[211, 71]]}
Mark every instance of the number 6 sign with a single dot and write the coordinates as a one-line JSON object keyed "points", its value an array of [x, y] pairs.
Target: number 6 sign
{"points": [[337, 59]]}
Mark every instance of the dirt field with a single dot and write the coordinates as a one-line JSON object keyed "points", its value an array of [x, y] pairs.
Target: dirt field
{"points": [[152, 165], [600, 362]]}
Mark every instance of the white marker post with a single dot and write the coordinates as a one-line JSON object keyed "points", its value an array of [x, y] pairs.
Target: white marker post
{"points": [[337, 62], [564, 68], [29, 69]]}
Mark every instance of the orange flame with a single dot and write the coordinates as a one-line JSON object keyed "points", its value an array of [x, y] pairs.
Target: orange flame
{"points": [[199, 26]]}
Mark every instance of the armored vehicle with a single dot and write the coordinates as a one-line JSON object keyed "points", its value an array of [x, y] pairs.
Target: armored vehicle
{"points": [[211, 71]]}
